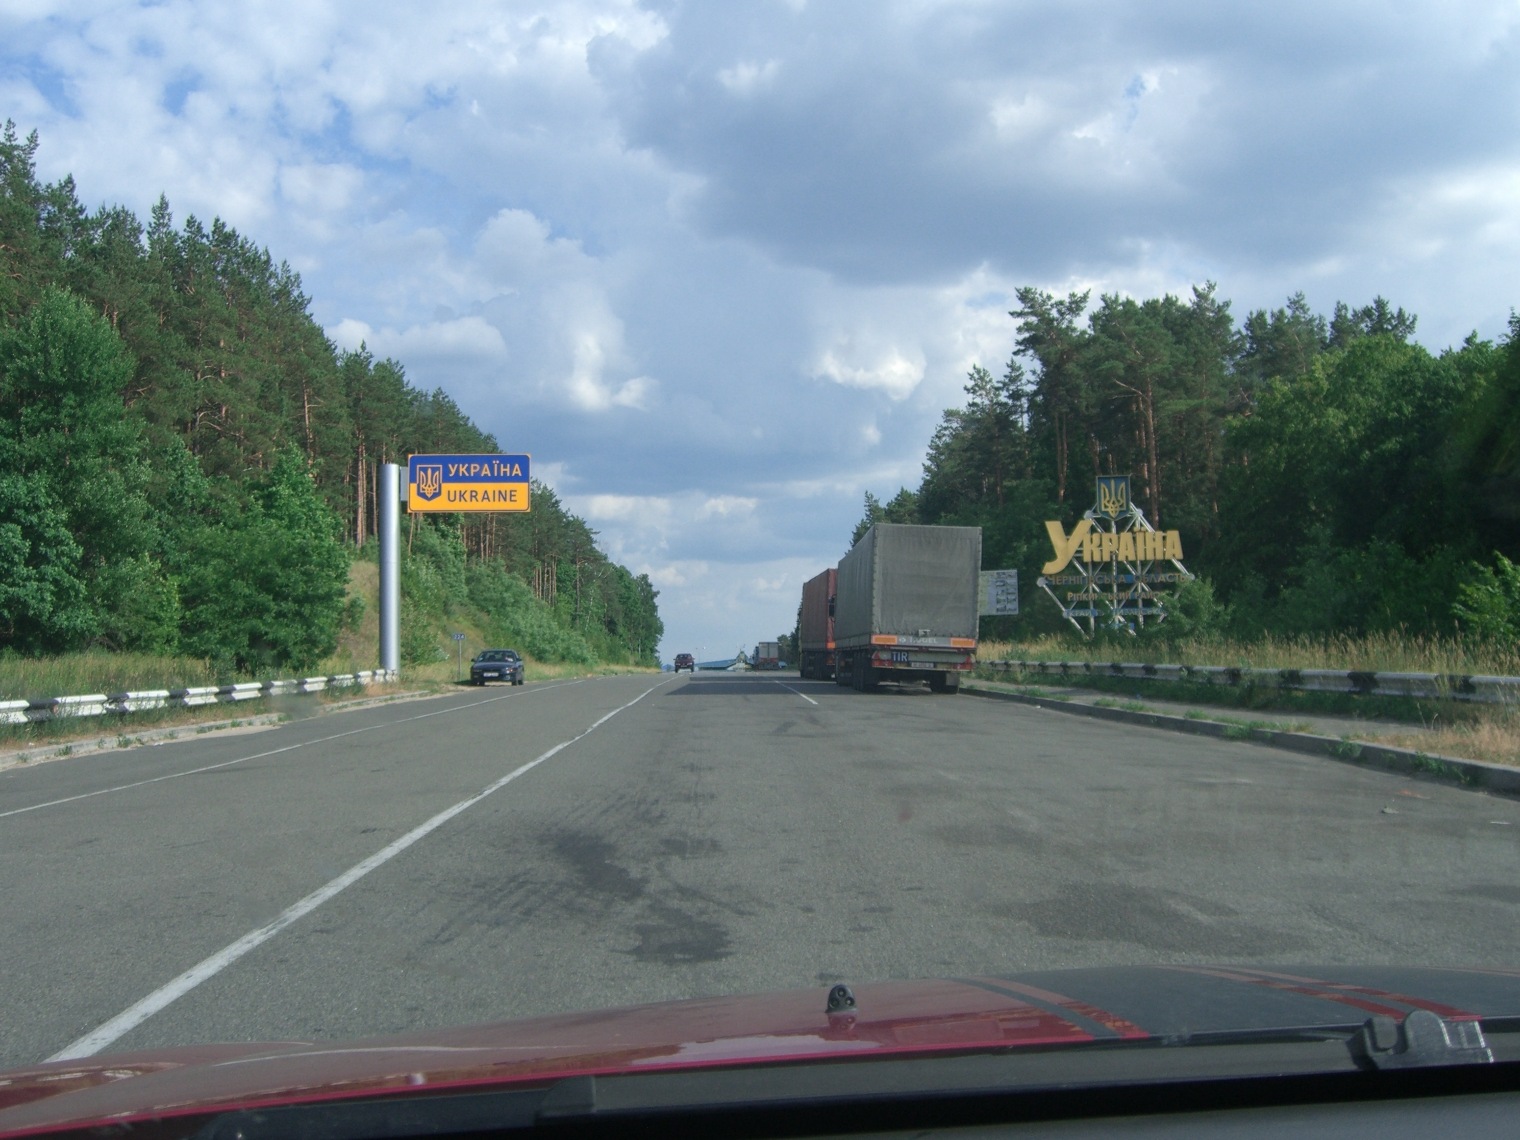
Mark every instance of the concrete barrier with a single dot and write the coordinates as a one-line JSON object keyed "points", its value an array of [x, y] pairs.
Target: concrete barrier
{"points": [[1435, 686]]}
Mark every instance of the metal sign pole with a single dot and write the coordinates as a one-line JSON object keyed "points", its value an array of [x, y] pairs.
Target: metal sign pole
{"points": [[390, 567]]}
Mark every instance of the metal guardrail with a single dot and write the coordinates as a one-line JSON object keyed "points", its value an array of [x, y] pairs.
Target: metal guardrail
{"points": [[104, 704], [1440, 686]]}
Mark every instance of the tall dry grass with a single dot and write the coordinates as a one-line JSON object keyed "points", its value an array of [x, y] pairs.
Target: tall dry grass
{"points": [[23, 678], [1493, 735], [1392, 652]]}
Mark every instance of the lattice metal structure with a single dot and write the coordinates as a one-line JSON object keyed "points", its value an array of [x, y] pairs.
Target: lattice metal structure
{"points": [[1120, 575]]}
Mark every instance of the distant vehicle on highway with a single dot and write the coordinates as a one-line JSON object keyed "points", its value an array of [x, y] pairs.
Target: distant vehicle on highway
{"points": [[497, 665], [686, 661], [767, 655]]}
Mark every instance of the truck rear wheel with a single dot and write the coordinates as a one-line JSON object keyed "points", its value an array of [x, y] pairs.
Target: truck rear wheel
{"points": [[864, 677], [944, 683]]}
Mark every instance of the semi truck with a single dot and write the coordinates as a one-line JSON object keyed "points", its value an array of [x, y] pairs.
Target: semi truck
{"points": [[905, 606], [815, 633], [767, 655]]}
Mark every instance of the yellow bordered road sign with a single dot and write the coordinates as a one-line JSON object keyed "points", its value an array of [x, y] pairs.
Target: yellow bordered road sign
{"points": [[467, 483]]}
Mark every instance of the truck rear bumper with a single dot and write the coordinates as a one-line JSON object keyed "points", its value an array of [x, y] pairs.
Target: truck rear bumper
{"points": [[919, 660], [865, 667]]}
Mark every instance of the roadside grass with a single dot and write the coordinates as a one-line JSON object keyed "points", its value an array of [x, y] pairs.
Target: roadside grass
{"points": [[1494, 738], [1391, 652], [71, 674], [1126, 706], [1265, 698], [1250, 725], [359, 646], [125, 730], [1452, 728], [1246, 726]]}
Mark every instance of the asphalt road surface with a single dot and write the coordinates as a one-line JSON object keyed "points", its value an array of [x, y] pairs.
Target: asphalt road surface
{"points": [[344, 875]]}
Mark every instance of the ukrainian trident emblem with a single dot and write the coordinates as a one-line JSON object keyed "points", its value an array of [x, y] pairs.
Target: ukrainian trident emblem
{"points": [[1113, 495], [429, 481]]}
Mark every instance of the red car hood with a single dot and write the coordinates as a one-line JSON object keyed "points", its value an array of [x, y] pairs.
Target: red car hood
{"points": [[1043, 1009]]}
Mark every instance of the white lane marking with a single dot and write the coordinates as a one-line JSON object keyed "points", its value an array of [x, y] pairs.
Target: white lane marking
{"points": [[124, 1022], [277, 751], [804, 696]]}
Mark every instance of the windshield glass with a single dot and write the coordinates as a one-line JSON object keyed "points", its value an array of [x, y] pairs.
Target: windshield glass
{"points": [[975, 490]]}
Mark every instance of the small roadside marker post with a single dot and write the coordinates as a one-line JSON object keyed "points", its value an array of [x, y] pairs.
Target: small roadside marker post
{"points": [[459, 671]]}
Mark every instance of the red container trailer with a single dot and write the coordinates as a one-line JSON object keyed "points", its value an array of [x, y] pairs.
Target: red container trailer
{"points": [[815, 640]]}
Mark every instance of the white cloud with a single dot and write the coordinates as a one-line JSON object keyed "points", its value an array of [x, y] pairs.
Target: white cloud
{"points": [[516, 246], [649, 510], [720, 275], [889, 369], [324, 196], [467, 342], [726, 506], [746, 77]]}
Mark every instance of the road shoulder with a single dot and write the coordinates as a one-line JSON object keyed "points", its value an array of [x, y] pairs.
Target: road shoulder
{"points": [[1476, 775]]}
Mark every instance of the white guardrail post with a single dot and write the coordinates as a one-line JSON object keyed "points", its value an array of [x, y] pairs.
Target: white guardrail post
{"points": [[105, 704]]}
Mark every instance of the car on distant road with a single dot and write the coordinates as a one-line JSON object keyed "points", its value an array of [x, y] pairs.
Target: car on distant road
{"points": [[686, 661], [496, 665]]}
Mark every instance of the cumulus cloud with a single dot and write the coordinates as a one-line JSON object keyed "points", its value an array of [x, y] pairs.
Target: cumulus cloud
{"points": [[1045, 141], [466, 342], [720, 268], [889, 369], [746, 77]]}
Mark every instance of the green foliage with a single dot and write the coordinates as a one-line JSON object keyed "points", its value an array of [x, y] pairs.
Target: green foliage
{"points": [[515, 618], [1488, 603], [1279, 345], [144, 614], [420, 642], [903, 508], [265, 587], [433, 568], [1194, 614], [1486, 450], [41, 594], [1328, 476], [75, 530], [168, 405], [1344, 473]]}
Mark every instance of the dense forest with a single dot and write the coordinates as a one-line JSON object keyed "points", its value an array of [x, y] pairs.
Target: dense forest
{"points": [[187, 465], [1328, 474]]}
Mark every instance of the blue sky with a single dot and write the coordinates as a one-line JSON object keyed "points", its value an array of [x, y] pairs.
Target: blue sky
{"points": [[720, 266]]}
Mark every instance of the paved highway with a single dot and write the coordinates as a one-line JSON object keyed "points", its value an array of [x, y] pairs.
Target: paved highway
{"points": [[344, 875]]}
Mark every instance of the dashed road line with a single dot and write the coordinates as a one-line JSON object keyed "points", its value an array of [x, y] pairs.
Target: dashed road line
{"points": [[124, 1022], [276, 751]]}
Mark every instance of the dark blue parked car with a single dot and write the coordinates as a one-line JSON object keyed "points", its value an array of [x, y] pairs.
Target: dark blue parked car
{"points": [[496, 665]]}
